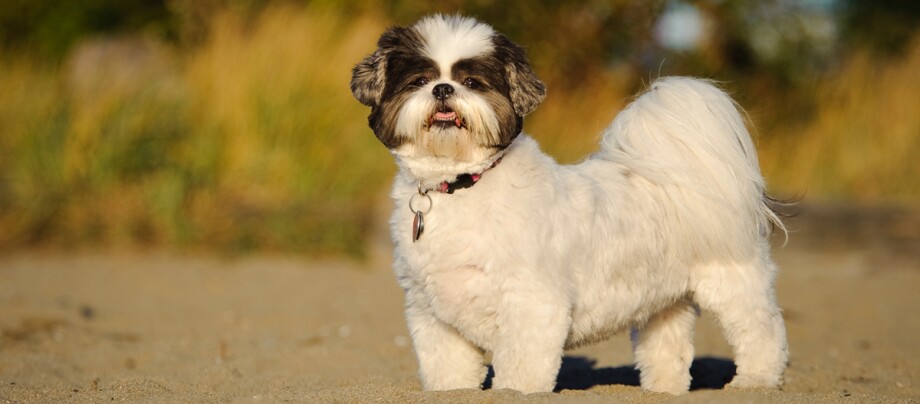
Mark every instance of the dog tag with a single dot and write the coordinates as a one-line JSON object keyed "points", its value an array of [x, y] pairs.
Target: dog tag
{"points": [[418, 226], [418, 222]]}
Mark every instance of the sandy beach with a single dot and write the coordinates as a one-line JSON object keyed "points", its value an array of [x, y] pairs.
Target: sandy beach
{"points": [[170, 327]]}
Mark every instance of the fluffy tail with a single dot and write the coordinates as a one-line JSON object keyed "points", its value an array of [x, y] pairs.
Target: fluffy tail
{"points": [[688, 137]]}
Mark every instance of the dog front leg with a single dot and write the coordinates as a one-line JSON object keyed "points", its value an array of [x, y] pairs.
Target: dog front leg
{"points": [[531, 335], [446, 359]]}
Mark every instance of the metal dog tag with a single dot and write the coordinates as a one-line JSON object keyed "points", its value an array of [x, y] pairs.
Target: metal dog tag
{"points": [[418, 226], [418, 222]]}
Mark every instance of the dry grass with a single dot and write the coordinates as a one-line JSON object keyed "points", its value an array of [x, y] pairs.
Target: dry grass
{"points": [[252, 139], [863, 140]]}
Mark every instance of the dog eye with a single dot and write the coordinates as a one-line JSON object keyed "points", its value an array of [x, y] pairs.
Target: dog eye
{"points": [[421, 81], [472, 83]]}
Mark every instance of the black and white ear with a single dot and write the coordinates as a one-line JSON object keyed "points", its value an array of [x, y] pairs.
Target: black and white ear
{"points": [[527, 91], [525, 88], [368, 78]]}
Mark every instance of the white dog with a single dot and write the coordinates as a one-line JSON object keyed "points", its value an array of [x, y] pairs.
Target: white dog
{"points": [[499, 248]]}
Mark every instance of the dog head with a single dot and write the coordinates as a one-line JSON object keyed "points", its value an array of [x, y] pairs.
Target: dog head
{"points": [[448, 90]]}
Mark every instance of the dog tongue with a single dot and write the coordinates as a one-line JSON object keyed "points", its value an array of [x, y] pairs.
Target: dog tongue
{"points": [[445, 116]]}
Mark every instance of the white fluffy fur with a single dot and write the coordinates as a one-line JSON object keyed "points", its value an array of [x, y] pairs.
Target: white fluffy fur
{"points": [[449, 38], [537, 257]]}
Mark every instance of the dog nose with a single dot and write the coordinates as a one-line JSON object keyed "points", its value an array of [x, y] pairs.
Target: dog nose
{"points": [[442, 91]]}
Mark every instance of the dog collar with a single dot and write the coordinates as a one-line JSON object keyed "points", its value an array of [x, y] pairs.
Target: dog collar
{"points": [[464, 181]]}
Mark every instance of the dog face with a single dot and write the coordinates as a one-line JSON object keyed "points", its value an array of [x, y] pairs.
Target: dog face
{"points": [[447, 87]]}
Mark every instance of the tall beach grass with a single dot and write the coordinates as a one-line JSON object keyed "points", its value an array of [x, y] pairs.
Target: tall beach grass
{"points": [[251, 139], [863, 139]]}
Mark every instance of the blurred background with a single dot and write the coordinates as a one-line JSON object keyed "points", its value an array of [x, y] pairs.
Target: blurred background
{"points": [[229, 125]]}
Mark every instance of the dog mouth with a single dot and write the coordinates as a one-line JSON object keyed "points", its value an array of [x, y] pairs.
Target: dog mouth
{"points": [[446, 117]]}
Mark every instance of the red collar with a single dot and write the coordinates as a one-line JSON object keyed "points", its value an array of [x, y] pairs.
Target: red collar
{"points": [[464, 180]]}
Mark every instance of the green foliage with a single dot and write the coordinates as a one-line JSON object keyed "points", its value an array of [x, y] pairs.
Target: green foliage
{"points": [[52, 27], [884, 26]]}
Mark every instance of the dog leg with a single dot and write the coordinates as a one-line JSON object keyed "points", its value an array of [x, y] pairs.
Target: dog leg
{"points": [[742, 298], [664, 350], [528, 350], [446, 359]]}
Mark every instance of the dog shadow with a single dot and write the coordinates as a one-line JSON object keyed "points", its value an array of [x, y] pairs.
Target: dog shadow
{"points": [[581, 373]]}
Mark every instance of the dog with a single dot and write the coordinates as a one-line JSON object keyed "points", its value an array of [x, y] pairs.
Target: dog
{"points": [[499, 248]]}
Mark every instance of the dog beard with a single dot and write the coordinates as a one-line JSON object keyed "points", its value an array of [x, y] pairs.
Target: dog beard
{"points": [[463, 129]]}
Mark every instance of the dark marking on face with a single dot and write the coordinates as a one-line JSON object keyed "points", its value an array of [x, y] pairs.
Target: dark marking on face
{"points": [[486, 76], [380, 79], [407, 72]]}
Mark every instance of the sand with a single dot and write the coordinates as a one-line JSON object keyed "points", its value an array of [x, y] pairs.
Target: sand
{"points": [[165, 326]]}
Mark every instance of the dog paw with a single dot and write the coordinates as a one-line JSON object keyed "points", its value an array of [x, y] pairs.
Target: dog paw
{"points": [[674, 386], [673, 390], [674, 381], [754, 381], [522, 385]]}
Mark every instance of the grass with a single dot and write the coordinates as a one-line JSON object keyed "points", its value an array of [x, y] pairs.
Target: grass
{"points": [[251, 140], [862, 141]]}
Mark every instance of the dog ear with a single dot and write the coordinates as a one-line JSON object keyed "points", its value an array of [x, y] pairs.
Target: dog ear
{"points": [[525, 88], [368, 78]]}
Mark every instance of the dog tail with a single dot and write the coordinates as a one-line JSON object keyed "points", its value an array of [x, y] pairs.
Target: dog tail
{"points": [[688, 137]]}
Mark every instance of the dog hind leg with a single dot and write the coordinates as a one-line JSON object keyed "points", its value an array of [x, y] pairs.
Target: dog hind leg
{"points": [[743, 300], [663, 349]]}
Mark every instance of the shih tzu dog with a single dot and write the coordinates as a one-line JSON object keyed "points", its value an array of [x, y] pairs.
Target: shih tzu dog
{"points": [[500, 249]]}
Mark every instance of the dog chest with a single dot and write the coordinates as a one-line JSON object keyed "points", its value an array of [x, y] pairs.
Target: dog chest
{"points": [[466, 298]]}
